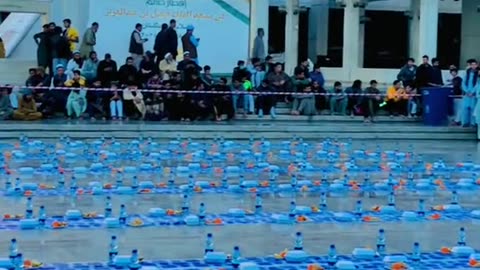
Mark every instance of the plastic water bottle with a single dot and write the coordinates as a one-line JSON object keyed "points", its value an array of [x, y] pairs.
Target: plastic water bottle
{"points": [[191, 182], [241, 180], [324, 179], [42, 215], [73, 185], [381, 242], [119, 179], [390, 182], [391, 199], [135, 182], [236, 255], [258, 203], [113, 250], [292, 211], [359, 209], [454, 197], [298, 241], [462, 237], [323, 201], [294, 181], [123, 214], [134, 260], [171, 179], [421, 207], [251, 139], [18, 183], [209, 247], [29, 208], [186, 204], [8, 182], [332, 256], [416, 253], [13, 250], [224, 181], [202, 212], [273, 181], [61, 180], [108, 207]]}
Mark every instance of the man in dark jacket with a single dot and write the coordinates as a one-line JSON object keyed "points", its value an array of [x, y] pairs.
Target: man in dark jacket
{"points": [[60, 49], [436, 78], [423, 74], [407, 72], [107, 71], [160, 46], [172, 39]]}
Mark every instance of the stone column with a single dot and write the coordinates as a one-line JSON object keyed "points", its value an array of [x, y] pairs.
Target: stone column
{"points": [[351, 36], [470, 36], [259, 13], [318, 30], [428, 28], [291, 35]]}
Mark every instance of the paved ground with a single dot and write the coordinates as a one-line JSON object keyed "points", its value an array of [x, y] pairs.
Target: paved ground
{"points": [[255, 240]]}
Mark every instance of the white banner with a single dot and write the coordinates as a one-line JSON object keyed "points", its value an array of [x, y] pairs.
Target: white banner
{"points": [[14, 28], [221, 25]]}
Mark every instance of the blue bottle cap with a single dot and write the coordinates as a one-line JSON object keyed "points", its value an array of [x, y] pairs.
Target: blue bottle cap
{"points": [[123, 205], [14, 240], [332, 246], [236, 248], [209, 235], [202, 204], [299, 233], [381, 230]]}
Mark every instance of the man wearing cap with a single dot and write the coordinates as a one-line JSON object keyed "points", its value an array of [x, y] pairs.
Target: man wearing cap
{"points": [[136, 45], [190, 43]]}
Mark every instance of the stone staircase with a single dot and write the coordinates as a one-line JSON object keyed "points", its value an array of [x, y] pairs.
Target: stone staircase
{"points": [[342, 128]]}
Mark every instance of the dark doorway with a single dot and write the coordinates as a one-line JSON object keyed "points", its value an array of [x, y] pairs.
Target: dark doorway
{"points": [[276, 32], [335, 39], [449, 39], [386, 39]]}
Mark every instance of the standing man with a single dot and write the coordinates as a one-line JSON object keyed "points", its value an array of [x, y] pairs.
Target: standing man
{"points": [[407, 72], [136, 45], [259, 45], [160, 46], [172, 39], [469, 94], [89, 41], [190, 43], [41, 39], [71, 34], [424, 73]]}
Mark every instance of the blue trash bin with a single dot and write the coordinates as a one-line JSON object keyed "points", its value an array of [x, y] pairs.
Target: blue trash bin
{"points": [[436, 102]]}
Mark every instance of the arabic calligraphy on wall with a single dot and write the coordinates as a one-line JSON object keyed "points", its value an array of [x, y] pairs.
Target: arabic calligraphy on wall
{"points": [[167, 3], [165, 15]]}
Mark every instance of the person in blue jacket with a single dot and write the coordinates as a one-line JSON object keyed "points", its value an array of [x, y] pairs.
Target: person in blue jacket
{"points": [[470, 83]]}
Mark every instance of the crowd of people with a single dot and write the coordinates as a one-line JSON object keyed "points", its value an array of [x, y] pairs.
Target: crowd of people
{"points": [[77, 84]]}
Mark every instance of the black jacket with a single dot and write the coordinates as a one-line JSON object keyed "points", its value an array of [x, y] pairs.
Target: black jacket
{"points": [[161, 45], [172, 41]]}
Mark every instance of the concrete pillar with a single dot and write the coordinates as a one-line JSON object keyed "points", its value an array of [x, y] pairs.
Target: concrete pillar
{"points": [[259, 11], [428, 28], [318, 30], [414, 22], [361, 37], [470, 36], [291, 35], [351, 36]]}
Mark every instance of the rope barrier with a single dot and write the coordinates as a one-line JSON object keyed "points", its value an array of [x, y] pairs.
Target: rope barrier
{"points": [[213, 92]]}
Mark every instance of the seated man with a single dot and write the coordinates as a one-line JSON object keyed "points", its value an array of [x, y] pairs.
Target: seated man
{"points": [[77, 100], [370, 102], [27, 109], [338, 100], [222, 103], [306, 105], [6, 109], [396, 100], [299, 82]]}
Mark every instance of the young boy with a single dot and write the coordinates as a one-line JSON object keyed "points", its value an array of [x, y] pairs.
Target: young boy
{"points": [[370, 102]]}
